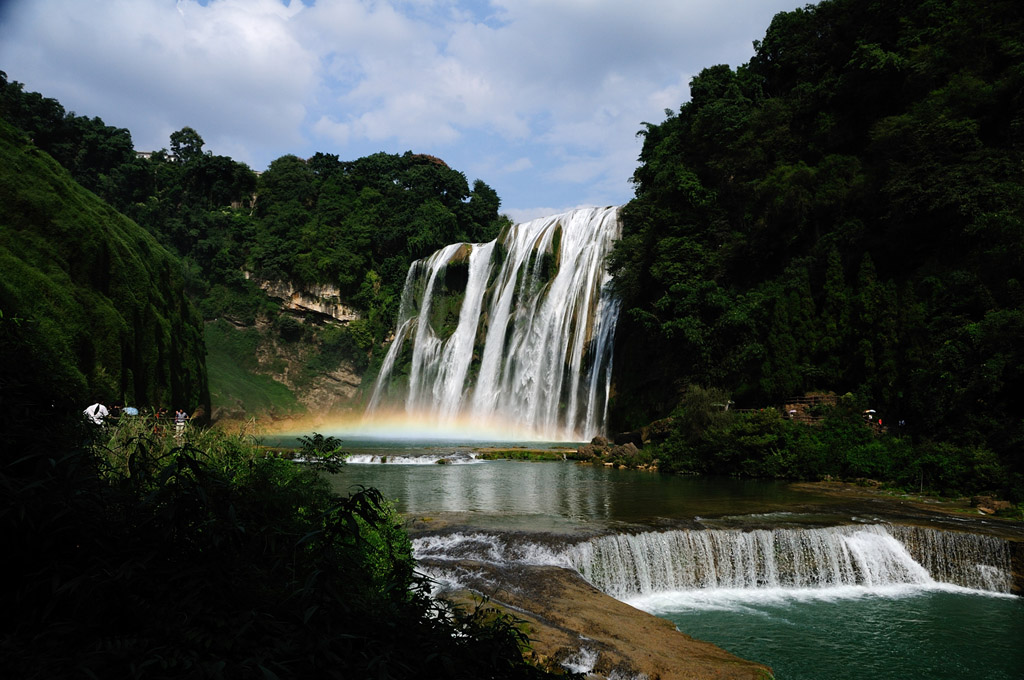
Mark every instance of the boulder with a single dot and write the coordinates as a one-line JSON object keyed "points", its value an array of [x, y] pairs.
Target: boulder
{"points": [[658, 431], [627, 450]]}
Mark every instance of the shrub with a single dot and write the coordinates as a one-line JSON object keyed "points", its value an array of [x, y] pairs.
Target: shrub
{"points": [[139, 558]]}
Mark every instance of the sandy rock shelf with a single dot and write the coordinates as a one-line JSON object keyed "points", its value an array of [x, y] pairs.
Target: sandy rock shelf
{"points": [[565, 614]]}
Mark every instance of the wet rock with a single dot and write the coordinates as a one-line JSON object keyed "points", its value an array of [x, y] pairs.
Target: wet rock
{"points": [[599, 441], [567, 615], [628, 450]]}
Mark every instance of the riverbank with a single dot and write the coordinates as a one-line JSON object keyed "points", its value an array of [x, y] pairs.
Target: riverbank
{"points": [[927, 507], [524, 453]]}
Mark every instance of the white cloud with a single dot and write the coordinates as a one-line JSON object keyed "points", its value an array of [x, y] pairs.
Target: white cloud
{"points": [[518, 165], [545, 94], [231, 69]]}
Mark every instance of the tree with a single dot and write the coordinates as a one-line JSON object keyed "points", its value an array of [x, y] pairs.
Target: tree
{"points": [[876, 147], [186, 145]]}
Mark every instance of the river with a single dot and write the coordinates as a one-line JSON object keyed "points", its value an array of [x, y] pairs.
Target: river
{"points": [[853, 599]]}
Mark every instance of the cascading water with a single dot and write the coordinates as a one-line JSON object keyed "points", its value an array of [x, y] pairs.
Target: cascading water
{"points": [[516, 332], [969, 560], [630, 565], [869, 556]]}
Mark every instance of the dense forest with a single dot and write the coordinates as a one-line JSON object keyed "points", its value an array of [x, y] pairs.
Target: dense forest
{"points": [[352, 225], [843, 214]]}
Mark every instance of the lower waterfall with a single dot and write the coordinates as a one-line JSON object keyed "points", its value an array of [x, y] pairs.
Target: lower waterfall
{"points": [[514, 333], [630, 565], [626, 565]]}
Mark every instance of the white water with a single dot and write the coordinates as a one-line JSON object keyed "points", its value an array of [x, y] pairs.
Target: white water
{"points": [[715, 567], [455, 458], [783, 559], [533, 341]]}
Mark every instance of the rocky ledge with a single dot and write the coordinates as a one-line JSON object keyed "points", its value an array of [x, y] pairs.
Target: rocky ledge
{"points": [[571, 622]]}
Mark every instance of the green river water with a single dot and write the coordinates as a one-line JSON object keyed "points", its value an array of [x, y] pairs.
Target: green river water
{"points": [[896, 631]]}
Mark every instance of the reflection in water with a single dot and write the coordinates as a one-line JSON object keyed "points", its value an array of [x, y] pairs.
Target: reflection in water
{"points": [[501, 488], [549, 495]]}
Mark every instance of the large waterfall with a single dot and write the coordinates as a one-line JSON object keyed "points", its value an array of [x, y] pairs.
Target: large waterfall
{"points": [[868, 556], [515, 334]]}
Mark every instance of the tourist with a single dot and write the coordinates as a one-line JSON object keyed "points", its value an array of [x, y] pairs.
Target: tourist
{"points": [[179, 424]]}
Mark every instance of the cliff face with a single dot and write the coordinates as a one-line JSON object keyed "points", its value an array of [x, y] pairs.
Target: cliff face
{"points": [[297, 359], [309, 299], [89, 295], [333, 388]]}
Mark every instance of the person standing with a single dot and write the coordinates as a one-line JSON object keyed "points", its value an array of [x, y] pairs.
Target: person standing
{"points": [[179, 424]]}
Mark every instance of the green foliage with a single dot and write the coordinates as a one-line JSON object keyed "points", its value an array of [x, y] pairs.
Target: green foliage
{"points": [[707, 439], [323, 453], [99, 157], [104, 300], [139, 558], [841, 213], [360, 224], [186, 145], [356, 225], [521, 454]]}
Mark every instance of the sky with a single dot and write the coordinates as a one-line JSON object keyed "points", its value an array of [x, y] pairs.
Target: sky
{"points": [[540, 99]]}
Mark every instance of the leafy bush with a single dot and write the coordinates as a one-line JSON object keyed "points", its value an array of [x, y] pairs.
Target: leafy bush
{"points": [[139, 558], [709, 440]]}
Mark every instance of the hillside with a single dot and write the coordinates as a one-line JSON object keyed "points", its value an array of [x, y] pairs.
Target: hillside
{"points": [[268, 259], [94, 309], [843, 214]]}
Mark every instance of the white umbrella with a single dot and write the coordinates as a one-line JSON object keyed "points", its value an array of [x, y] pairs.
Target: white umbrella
{"points": [[96, 413]]}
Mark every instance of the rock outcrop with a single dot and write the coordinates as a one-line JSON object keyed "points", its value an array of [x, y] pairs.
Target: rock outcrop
{"points": [[570, 620], [600, 448], [309, 299]]}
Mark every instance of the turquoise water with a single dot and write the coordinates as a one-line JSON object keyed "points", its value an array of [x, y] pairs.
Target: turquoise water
{"points": [[886, 633], [901, 633]]}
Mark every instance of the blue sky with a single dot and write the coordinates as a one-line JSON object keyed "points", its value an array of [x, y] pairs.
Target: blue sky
{"points": [[541, 99]]}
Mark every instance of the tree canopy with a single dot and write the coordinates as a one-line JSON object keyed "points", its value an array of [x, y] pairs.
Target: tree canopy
{"points": [[352, 225], [842, 213]]}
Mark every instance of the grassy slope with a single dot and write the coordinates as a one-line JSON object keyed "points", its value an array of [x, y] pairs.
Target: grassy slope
{"points": [[99, 294], [234, 384]]}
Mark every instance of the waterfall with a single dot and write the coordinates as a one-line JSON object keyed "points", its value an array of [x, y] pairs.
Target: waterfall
{"points": [[969, 560], [874, 555], [518, 330], [630, 565]]}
